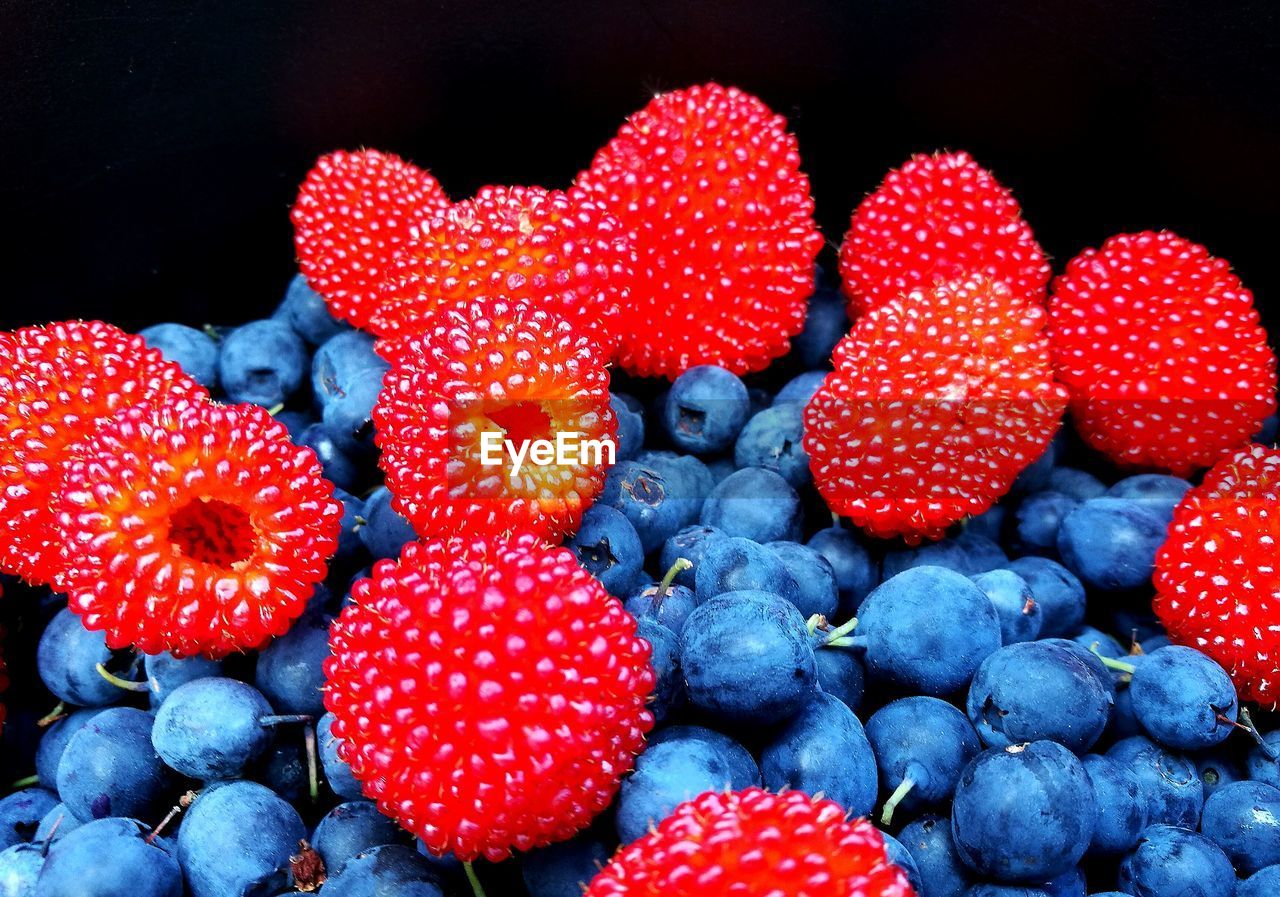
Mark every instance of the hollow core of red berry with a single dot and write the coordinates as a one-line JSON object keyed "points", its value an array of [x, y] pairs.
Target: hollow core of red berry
{"points": [[212, 531]]}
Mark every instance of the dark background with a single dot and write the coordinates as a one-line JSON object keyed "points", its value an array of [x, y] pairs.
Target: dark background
{"points": [[149, 151]]}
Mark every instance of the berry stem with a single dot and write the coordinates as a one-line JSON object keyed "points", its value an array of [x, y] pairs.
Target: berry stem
{"points": [[476, 887], [284, 719], [53, 831], [678, 567], [840, 636], [25, 783], [814, 623], [1247, 718], [53, 716], [275, 409], [183, 802], [1111, 663], [117, 681], [313, 767], [899, 793]]}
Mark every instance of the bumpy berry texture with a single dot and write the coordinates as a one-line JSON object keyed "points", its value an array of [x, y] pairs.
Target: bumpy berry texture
{"points": [[708, 182], [489, 693], [1215, 579], [936, 219], [937, 401], [754, 842], [560, 251], [353, 215], [512, 371], [194, 529], [1162, 351], [59, 384]]}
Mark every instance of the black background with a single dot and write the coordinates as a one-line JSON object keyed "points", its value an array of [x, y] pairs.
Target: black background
{"points": [[149, 151]]}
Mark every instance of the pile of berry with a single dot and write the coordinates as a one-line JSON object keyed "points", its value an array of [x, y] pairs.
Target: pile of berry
{"points": [[824, 604]]}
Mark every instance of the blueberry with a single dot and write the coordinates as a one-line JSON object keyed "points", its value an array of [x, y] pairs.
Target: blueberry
{"points": [[825, 323], [855, 570], [900, 857], [816, 591], [1265, 882], [110, 768], [1170, 782], [927, 629], [305, 311], [54, 743], [840, 674], [283, 766], [747, 657], [664, 602], [1217, 768], [1020, 615], [384, 531], [1023, 813], [1243, 818], [682, 766], [1035, 691], [1039, 518], [236, 840], [921, 744], [732, 564], [67, 657], [1158, 492], [351, 828], [338, 467], [705, 410], [993, 890], [1264, 761], [1183, 698], [1268, 431], [945, 553], [823, 749], [773, 440], [339, 361], [54, 826], [1093, 639], [165, 673], [21, 812], [290, 671], [668, 689], [294, 421], [348, 416], [110, 858], [607, 545], [1111, 543], [192, 350], [659, 500], [565, 869], [390, 869], [262, 362], [1123, 809], [800, 390], [984, 554], [1173, 862], [1076, 484], [990, 523], [336, 771], [1055, 588], [630, 436], [720, 469], [20, 866], [1105, 676], [211, 729], [753, 503], [931, 846]]}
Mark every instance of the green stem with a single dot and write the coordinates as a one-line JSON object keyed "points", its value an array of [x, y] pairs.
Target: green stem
{"points": [[903, 789], [25, 783], [313, 766], [119, 682], [283, 719], [836, 637], [1111, 663], [476, 887], [680, 565], [814, 622], [53, 716], [275, 409]]}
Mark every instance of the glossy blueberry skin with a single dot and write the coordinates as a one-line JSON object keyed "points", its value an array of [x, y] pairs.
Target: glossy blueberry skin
{"points": [[607, 545], [753, 503], [1035, 476], [823, 749], [686, 762], [1218, 767], [305, 311], [630, 435], [946, 553], [338, 467], [1170, 782], [825, 323], [1178, 694], [384, 531], [336, 771], [565, 869], [350, 828], [110, 858], [984, 553], [901, 857], [800, 389], [1075, 483], [348, 416], [1058, 592], [1024, 813], [1158, 492], [1263, 764], [690, 543], [290, 671], [1111, 543], [732, 564], [674, 608], [55, 825], [992, 890], [926, 740], [236, 839], [1123, 809], [262, 362], [747, 657], [1020, 615], [20, 866], [339, 360], [668, 689], [349, 542], [165, 673], [66, 658], [385, 870], [1039, 518], [110, 768], [840, 674], [1243, 818], [773, 440], [658, 498], [1038, 691], [211, 729], [990, 523], [928, 840], [1263, 883], [705, 409], [816, 591], [927, 629], [192, 350], [1179, 863], [855, 570], [54, 742], [21, 812]]}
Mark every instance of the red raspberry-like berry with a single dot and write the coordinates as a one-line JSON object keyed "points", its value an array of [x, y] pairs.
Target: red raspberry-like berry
{"points": [[1162, 351], [353, 215], [754, 842], [937, 401], [517, 373], [560, 251], [1216, 578], [194, 529], [938, 218], [708, 182], [489, 693], [59, 384]]}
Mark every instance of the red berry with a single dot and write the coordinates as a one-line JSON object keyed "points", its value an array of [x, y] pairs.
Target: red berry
{"points": [[1216, 579], [194, 528], [495, 367], [935, 219], [753, 842], [59, 384], [489, 693], [353, 215], [561, 251], [1161, 349], [937, 401], [708, 182]]}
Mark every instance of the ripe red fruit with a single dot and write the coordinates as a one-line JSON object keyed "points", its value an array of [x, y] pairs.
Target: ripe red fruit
{"points": [[194, 529], [707, 181], [754, 842], [1216, 579], [936, 219], [937, 401], [489, 693], [561, 251], [59, 384], [499, 367], [353, 215], [1162, 351]]}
